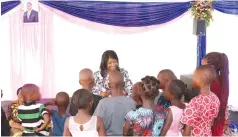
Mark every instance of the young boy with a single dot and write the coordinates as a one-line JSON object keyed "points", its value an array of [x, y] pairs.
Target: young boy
{"points": [[164, 77], [86, 80], [34, 117], [202, 109], [114, 109], [59, 116]]}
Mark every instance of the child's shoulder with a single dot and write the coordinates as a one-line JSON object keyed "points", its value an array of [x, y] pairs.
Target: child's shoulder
{"points": [[31, 106]]}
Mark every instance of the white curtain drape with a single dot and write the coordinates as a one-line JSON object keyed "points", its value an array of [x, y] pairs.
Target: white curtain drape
{"points": [[30, 53]]}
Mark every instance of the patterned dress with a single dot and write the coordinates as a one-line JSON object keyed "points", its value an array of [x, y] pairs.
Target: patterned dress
{"points": [[13, 117], [163, 102], [200, 113], [101, 84], [147, 122]]}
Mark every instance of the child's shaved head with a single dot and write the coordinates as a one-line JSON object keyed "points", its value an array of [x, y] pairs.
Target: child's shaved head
{"points": [[205, 75], [62, 99], [116, 80], [86, 74], [165, 76], [86, 79]]}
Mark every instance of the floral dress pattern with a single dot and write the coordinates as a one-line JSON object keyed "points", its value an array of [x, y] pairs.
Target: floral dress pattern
{"points": [[146, 122], [101, 84], [13, 117], [163, 102], [200, 113]]}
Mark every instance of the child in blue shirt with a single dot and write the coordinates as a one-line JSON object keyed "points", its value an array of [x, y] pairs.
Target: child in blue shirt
{"points": [[59, 116]]}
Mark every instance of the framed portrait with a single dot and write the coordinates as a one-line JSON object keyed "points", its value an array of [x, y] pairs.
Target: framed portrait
{"points": [[30, 8]]}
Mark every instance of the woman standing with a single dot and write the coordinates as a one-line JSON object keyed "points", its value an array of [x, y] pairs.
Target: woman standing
{"points": [[220, 87], [109, 62]]}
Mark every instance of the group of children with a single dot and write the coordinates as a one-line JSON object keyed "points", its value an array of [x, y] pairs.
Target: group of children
{"points": [[146, 113]]}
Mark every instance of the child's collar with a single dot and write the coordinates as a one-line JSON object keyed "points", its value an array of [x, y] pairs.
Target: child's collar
{"points": [[29, 103]]}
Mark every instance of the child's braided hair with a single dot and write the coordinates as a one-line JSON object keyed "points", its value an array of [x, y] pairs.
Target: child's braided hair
{"points": [[151, 87]]}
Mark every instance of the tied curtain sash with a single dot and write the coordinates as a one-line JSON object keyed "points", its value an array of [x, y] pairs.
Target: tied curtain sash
{"points": [[8, 5], [228, 7], [125, 14], [201, 49]]}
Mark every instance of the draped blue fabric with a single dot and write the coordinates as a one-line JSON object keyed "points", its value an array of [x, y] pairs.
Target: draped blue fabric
{"points": [[229, 7], [8, 5], [127, 14], [201, 49]]}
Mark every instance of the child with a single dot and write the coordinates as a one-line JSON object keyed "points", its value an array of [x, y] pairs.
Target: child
{"points": [[33, 116], [83, 124], [199, 114], [59, 116], [114, 109], [174, 93], [164, 77], [147, 120], [86, 80], [136, 90]]}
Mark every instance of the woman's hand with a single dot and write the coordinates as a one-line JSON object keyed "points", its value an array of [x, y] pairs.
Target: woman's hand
{"points": [[125, 93], [104, 93]]}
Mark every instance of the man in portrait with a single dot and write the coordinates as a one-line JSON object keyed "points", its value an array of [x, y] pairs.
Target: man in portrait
{"points": [[30, 15]]}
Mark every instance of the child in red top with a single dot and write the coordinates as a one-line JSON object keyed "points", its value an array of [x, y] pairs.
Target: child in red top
{"points": [[199, 114]]}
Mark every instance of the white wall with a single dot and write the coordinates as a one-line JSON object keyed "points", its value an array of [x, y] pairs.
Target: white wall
{"points": [[222, 37], [140, 52]]}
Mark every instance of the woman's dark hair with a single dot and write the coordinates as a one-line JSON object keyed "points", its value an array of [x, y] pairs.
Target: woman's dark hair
{"points": [[105, 57], [221, 64], [18, 90], [151, 87], [177, 88], [81, 98]]}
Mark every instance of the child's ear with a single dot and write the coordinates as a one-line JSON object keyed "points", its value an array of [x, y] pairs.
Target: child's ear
{"points": [[90, 104], [201, 80], [80, 82]]}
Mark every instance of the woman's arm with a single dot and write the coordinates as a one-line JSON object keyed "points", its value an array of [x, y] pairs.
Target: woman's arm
{"points": [[66, 128], [15, 125], [12, 110], [187, 130], [126, 128], [97, 89], [128, 82], [167, 123], [100, 125]]}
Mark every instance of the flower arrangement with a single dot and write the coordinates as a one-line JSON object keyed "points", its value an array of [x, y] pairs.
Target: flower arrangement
{"points": [[202, 10]]}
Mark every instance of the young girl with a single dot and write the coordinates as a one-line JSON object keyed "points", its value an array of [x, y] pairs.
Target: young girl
{"points": [[83, 124], [136, 90], [174, 93], [148, 120]]}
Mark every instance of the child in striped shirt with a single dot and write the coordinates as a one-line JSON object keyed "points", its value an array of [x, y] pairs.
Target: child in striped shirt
{"points": [[34, 117]]}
